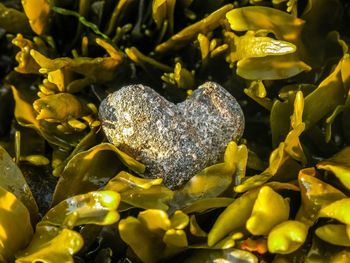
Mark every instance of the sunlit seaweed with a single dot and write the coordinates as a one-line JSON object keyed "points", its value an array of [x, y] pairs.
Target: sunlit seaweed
{"points": [[280, 194]]}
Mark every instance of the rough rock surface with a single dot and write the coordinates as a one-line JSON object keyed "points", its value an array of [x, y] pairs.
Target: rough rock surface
{"points": [[174, 141]]}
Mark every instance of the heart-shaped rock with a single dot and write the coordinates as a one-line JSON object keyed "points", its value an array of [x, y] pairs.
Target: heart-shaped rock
{"points": [[174, 141]]}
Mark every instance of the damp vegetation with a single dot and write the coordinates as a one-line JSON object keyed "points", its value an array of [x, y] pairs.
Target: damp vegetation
{"points": [[280, 194]]}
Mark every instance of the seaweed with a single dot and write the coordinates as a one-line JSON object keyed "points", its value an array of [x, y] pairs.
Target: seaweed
{"points": [[280, 194]]}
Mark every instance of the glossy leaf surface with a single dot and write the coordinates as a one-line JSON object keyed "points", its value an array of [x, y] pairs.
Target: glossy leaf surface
{"points": [[59, 107], [286, 63], [92, 208], [257, 17], [51, 244], [339, 165], [233, 217], [189, 33], [38, 13], [315, 194], [140, 239], [13, 20], [287, 237], [337, 210], [15, 229], [103, 156], [141, 192], [211, 181], [12, 179], [269, 210], [334, 234]]}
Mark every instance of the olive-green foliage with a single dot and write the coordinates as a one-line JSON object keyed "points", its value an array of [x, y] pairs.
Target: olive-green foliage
{"points": [[280, 194]]}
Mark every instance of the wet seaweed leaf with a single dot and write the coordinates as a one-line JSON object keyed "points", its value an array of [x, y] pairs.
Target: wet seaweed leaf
{"points": [[140, 239], [97, 207], [26, 64], [88, 177], [195, 229], [331, 88], [287, 237], [204, 43], [163, 13], [339, 165], [337, 210], [156, 197], [269, 210], [179, 220], [140, 192], [60, 107], [285, 65], [314, 14], [279, 122], [181, 77], [189, 33], [282, 24], [143, 61], [152, 231], [205, 204], [125, 181], [315, 194], [234, 217], [241, 163], [252, 46], [176, 238], [60, 157], [154, 219], [280, 163], [334, 234], [24, 112], [12, 179], [117, 12], [281, 159], [62, 75], [279, 186], [257, 92], [38, 13], [322, 252], [13, 21], [16, 230], [51, 244], [26, 116], [271, 68], [258, 89], [211, 181], [292, 141], [61, 70]]}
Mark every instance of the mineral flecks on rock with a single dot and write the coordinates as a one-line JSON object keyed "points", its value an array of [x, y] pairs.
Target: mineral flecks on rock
{"points": [[174, 141]]}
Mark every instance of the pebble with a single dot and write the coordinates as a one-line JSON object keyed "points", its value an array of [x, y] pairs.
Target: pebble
{"points": [[174, 141]]}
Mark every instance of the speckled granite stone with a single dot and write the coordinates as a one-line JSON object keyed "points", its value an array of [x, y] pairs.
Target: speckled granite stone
{"points": [[174, 141]]}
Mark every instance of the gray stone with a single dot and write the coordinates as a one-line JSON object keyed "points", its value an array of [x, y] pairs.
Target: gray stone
{"points": [[174, 141]]}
